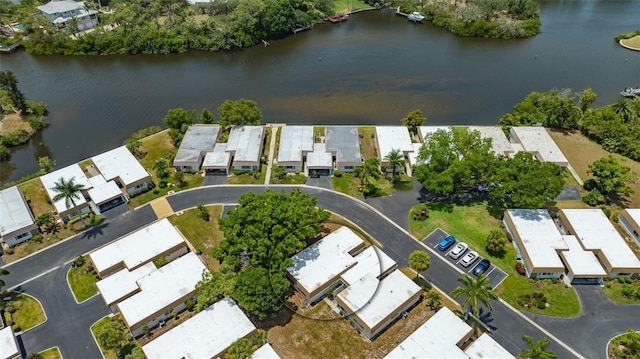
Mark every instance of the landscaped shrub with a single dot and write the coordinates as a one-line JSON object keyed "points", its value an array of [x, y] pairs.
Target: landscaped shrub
{"points": [[620, 280], [79, 262], [615, 217], [37, 237], [9, 251], [337, 173], [420, 214], [536, 299], [607, 211], [162, 184], [520, 268], [190, 305], [594, 198]]}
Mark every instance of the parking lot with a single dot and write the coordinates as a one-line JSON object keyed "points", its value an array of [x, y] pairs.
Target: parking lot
{"points": [[495, 274]]}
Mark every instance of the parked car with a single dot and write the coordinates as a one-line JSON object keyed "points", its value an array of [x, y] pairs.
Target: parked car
{"points": [[469, 258], [481, 267], [446, 243], [458, 250]]}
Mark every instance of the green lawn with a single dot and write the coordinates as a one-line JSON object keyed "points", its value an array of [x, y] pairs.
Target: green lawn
{"points": [[349, 5], [112, 353], [29, 314], [83, 284], [290, 178], [471, 224], [51, 353], [350, 185], [613, 290], [347, 184], [202, 235], [248, 178]]}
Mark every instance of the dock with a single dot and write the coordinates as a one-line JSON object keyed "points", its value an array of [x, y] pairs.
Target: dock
{"points": [[10, 49]]}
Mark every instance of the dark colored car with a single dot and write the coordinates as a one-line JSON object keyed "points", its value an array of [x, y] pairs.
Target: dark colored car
{"points": [[446, 243], [481, 267]]}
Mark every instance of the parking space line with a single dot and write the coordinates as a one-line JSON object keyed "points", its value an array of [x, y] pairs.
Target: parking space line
{"points": [[491, 271]]}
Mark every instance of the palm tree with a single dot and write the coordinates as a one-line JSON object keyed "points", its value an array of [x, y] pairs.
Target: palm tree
{"points": [[419, 261], [68, 190], [475, 290], [623, 107], [395, 158], [537, 350], [370, 167]]}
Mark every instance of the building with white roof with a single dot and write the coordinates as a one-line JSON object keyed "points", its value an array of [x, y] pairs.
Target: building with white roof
{"points": [[121, 166], [62, 11], [500, 144], [580, 263], [245, 145], [537, 141], [413, 156], [218, 160], [344, 144], [162, 292], [596, 233], [295, 143], [630, 221], [71, 172], [122, 284], [104, 195], [8, 345], [197, 141], [160, 239], [445, 335], [373, 304], [427, 130], [318, 268], [370, 261], [17, 224], [391, 138], [207, 334], [265, 352], [319, 162]]}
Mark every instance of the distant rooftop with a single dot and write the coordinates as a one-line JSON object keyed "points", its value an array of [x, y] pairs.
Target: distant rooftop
{"points": [[345, 142], [218, 158], [370, 261], [16, 214], [120, 163], [538, 141], [581, 262], [70, 172], [8, 344], [102, 190], [265, 352], [426, 130], [294, 140], [393, 138], [60, 6], [246, 141], [486, 348], [319, 158], [499, 141], [122, 283], [197, 140]]}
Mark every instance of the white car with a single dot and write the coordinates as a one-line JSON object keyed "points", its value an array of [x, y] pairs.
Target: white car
{"points": [[469, 258], [458, 250]]}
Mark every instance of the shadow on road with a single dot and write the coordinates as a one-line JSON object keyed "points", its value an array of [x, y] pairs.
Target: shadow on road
{"points": [[96, 231]]}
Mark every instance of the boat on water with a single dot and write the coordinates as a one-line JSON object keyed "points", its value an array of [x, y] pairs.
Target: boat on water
{"points": [[631, 92], [415, 17], [337, 18]]}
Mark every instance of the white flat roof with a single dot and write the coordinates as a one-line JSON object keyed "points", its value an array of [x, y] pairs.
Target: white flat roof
{"points": [[104, 192], [537, 139], [162, 287], [138, 247], [119, 162], [370, 261], [246, 141], [16, 214], [393, 138], [218, 158], [8, 345], [373, 300], [580, 261], [325, 259], [595, 231], [265, 352], [319, 158], [197, 140], [486, 348], [72, 171], [344, 140], [425, 130], [634, 214], [540, 236], [293, 141], [499, 141], [413, 156], [203, 336], [436, 338], [122, 283]]}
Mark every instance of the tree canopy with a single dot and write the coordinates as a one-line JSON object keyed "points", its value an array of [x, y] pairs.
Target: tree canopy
{"points": [[611, 177], [260, 292], [240, 112], [68, 190], [475, 291], [553, 108], [414, 120], [419, 261], [537, 349]]}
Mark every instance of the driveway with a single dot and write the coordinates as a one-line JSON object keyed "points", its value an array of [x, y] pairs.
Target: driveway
{"points": [[398, 205], [214, 179], [570, 193], [322, 181]]}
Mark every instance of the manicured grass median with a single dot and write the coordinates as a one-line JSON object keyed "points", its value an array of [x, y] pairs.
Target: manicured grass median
{"points": [[51, 353], [248, 178], [613, 290], [83, 284], [350, 185], [471, 224], [203, 235], [29, 314]]}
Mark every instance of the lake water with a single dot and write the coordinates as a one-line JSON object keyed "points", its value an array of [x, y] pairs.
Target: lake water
{"points": [[372, 69]]}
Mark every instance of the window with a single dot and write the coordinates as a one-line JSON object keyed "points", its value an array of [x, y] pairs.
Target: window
{"points": [[22, 235], [349, 167]]}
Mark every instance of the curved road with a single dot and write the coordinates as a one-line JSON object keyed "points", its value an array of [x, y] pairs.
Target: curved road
{"points": [[40, 274]]}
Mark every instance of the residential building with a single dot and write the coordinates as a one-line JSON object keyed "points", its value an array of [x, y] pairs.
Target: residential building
{"points": [[8, 345], [162, 292], [392, 138], [122, 284], [265, 352], [295, 143], [500, 144], [319, 162], [245, 146], [17, 224], [630, 221], [537, 141], [217, 161], [445, 335], [61, 13], [197, 141], [344, 144], [70, 173], [207, 334], [160, 239], [105, 195], [121, 166], [371, 261]]}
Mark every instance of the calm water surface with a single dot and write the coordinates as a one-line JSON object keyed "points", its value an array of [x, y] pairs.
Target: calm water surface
{"points": [[372, 69]]}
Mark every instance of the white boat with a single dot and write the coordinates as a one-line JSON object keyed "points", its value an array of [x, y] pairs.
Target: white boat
{"points": [[631, 92], [415, 16]]}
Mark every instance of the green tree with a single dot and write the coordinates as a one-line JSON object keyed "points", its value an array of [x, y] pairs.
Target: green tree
{"points": [[267, 229], [136, 353], [395, 159], [214, 286], [419, 261], [537, 350], [434, 299], [587, 98], [48, 221], [623, 108], [206, 117], [240, 349], [46, 164], [69, 191], [611, 176], [496, 239], [555, 108], [2, 273], [475, 291], [414, 120], [203, 212], [180, 119], [134, 146], [161, 166], [278, 17], [370, 169], [111, 335], [179, 177], [260, 292], [9, 83], [237, 113]]}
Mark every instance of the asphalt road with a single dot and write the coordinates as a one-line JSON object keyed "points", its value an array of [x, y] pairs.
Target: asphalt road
{"points": [[508, 326]]}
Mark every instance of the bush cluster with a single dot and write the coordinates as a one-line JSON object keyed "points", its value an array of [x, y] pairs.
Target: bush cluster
{"points": [[536, 299]]}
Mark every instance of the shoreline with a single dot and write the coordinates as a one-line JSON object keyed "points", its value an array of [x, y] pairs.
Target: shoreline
{"points": [[627, 46]]}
